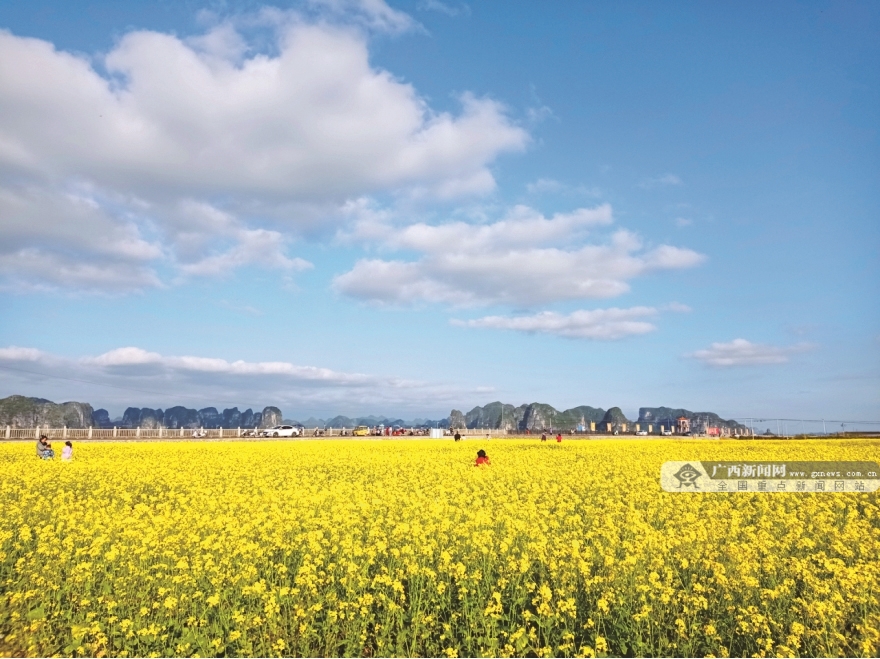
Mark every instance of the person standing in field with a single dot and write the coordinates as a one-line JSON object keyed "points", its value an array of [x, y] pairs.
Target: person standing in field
{"points": [[543, 437], [67, 451], [559, 438], [482, 459], [457, 436]]}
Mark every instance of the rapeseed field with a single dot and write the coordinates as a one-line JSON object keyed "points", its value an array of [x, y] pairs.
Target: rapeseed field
{"points": [[404, 548]]}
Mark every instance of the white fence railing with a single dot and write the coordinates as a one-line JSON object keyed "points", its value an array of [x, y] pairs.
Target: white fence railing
{"points": [[63, 433], [176, 433]]}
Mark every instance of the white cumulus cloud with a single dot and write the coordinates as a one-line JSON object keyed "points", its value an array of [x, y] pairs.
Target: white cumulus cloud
{"points": [[102, 159], [373, 14], [525, 259], [741, 352], [598, 324], [16, 354], [316, 120], [65, 238], [124, 357], [444, 8], [543, 185], [134, 374], [661, 181]]}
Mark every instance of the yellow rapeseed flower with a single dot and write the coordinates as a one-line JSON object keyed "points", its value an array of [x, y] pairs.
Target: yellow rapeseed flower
{"points": [[402, 548]]}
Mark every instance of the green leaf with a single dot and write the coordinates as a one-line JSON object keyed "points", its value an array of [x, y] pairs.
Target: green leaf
{"points": [[36, 614], [73, 646]]}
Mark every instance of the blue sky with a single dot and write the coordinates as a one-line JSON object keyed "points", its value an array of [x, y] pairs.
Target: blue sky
{"points": [[345, 207]]}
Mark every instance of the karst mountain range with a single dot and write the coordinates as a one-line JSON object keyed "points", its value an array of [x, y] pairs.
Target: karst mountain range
{"points": [[26, 412]]}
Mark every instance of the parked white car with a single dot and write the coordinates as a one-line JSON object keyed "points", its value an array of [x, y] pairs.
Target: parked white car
{"points": [[642, 433], [282, 431], [667, 433]]}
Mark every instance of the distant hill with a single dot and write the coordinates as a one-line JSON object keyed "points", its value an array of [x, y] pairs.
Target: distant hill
{"points": [[532, 416], [24, 412], [540, 416], [616, 418], [666, 416], [184, 417], [27, 412]]}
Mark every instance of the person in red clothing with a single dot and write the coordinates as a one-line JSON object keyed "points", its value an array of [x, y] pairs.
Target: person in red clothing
{"points": [[482, 458], [559, 438]]}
